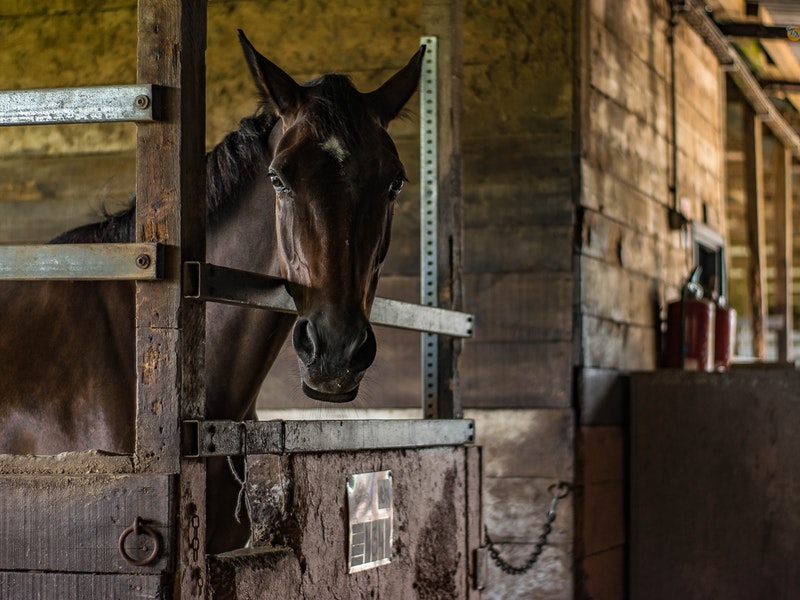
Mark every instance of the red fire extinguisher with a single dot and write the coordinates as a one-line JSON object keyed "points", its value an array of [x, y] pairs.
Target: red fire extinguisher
{"points": [[691, 324]]}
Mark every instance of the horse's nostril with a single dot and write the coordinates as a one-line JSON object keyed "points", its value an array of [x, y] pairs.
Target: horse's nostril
{"points": [[363, 350], [306, 341]]}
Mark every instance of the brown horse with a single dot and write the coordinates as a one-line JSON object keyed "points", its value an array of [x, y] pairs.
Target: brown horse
{"points": [[303, 190]]}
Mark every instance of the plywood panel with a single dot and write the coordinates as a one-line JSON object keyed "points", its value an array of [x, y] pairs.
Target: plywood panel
{"points": [[715, 486]]}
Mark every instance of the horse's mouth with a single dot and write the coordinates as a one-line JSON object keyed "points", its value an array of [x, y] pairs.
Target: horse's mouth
{"points": [[326, 397]]}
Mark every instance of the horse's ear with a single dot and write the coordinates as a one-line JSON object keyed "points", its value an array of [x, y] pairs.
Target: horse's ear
{"points": [[275, 86], [390, 98]]}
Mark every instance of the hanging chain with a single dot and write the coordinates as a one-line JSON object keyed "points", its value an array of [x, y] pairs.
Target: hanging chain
{"points": [[559, 491]]}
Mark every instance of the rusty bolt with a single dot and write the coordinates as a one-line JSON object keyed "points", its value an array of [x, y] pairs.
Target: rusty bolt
{"points": [[143, 261], [141, 102]]}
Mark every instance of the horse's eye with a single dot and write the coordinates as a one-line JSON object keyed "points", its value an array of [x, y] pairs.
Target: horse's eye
{"points": [[277, 183], [396, 186]]}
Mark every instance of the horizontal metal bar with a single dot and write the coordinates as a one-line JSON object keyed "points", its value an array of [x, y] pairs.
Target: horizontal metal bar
{"points": [[81, 261], [416, 317], [759, 30], [98, 104], [232, 438], [322, 436], [212, 283]]}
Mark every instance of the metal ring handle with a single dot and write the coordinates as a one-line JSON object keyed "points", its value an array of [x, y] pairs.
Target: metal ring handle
{"points": [[559, 490], [140, 528]]}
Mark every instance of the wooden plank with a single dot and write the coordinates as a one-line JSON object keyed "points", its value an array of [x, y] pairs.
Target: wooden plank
{"points": [[503, 304], [171, 210], [473, 510], [533, 442], [543, 248], [756, 235], [66, 463], [613, 292], [72, 523], [58, 586], [444, 20], [784, 296], [517, 374], [609, 344]]}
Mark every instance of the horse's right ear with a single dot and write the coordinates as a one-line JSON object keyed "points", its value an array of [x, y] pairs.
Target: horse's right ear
{"points": [[274, 85], [390, 98]]}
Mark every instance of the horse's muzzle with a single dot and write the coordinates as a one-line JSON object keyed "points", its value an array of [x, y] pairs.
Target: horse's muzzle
{"points": [[332, 361]]}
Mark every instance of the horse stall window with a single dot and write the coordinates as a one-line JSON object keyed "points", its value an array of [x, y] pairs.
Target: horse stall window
{"points": [[708, 251]]}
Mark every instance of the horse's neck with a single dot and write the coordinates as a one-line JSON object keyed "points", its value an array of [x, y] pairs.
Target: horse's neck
{"points": [[241, 343]]}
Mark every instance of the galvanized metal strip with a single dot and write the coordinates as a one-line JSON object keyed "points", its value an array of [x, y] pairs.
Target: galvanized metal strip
{"points": [[212, 283], [404, 315], [429, 215], [81, 261], [324, 436], [98, 104], [231, 438]]}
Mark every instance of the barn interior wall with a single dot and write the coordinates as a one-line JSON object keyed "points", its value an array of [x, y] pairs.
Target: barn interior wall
{"points": [[519, 183], [630, 262], [568, 256]]}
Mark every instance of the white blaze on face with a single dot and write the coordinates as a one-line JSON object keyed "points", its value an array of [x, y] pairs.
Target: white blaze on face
{"points": [[334, 147]]}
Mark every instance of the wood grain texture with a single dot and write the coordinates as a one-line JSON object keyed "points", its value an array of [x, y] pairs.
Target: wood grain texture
{"points": [[72, 523], [170, 209], [59, 586]]}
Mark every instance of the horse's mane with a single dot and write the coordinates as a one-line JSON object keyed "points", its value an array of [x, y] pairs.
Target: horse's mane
{"points": [[230, 168]]}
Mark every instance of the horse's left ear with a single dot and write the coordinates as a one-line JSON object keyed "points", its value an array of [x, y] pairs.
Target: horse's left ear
{"points": [[274, 84], [391, 97]]}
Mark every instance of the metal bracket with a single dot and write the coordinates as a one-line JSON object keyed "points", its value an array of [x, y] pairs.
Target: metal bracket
{"points": [[98, 104], [82, 261]]}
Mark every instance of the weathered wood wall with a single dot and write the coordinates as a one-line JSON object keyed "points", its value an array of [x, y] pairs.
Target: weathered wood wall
{"points": [[629, 262], [568, 254], [299, 502]]}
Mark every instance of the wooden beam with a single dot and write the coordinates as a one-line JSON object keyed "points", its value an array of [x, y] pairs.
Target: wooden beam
{"points": [[170, 210], [443, 19], [783, 250], [756, 235]]}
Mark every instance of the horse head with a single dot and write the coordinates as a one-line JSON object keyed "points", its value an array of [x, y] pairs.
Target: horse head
{"points": [[336, 174]]}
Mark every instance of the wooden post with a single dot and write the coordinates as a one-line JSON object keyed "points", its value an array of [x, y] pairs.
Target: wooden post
{"points": [[170, 210], [443, 19], [783, 252], [756, 236]]}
